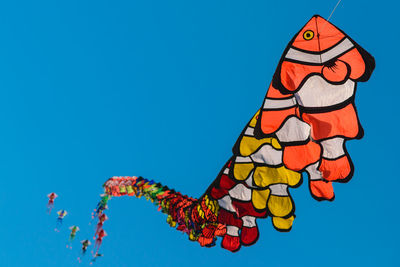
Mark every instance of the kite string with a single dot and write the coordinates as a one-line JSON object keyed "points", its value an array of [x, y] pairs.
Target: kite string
{"points": [[316, 24], [337, 4], [333, 11]]}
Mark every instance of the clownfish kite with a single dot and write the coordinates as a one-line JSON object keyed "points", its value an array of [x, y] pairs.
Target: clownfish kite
{"points": [[306, 118]]}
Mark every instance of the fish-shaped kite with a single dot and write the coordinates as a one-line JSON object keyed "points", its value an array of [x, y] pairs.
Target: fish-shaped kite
{"points": [[306, 118]]}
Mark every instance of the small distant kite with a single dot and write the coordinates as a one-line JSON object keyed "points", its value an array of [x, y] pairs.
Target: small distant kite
{"points": [[61, 216], [101, 206], [74, 229], [50, 204], [85, 244]]}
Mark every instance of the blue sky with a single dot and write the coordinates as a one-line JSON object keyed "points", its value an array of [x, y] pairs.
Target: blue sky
{"points": [[162, 89]]}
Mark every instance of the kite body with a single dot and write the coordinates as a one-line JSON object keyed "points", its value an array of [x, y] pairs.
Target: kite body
{"points": [[50, 203], [74, 229], [60, 217], [100, 235], [307, 117], [102, 218], [85, 244]]}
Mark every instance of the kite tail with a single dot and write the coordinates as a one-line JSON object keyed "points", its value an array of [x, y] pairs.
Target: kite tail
{"points": [[198, 218], [50, 206], [97, 245]]}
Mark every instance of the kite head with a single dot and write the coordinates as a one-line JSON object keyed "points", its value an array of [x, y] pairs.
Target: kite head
{"points": [[52, 196], [62, 213], [74, 228], [102, 233], [309, 106], [320, 48], [103, 217]]}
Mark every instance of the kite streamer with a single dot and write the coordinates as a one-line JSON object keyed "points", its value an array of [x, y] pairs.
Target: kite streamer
{"points": [[306, 118]]}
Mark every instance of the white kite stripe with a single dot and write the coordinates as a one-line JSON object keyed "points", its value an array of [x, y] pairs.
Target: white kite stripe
{"points": [[339, 49], [270, 103]]}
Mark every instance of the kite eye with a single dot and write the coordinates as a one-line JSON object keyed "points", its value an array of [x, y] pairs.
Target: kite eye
{"points": [[308, 35]]}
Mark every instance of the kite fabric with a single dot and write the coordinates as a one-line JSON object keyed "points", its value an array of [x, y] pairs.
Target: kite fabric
{"points": [[306, 118], [74, 229], [85, 243], [50, 204], [60, 217]]}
